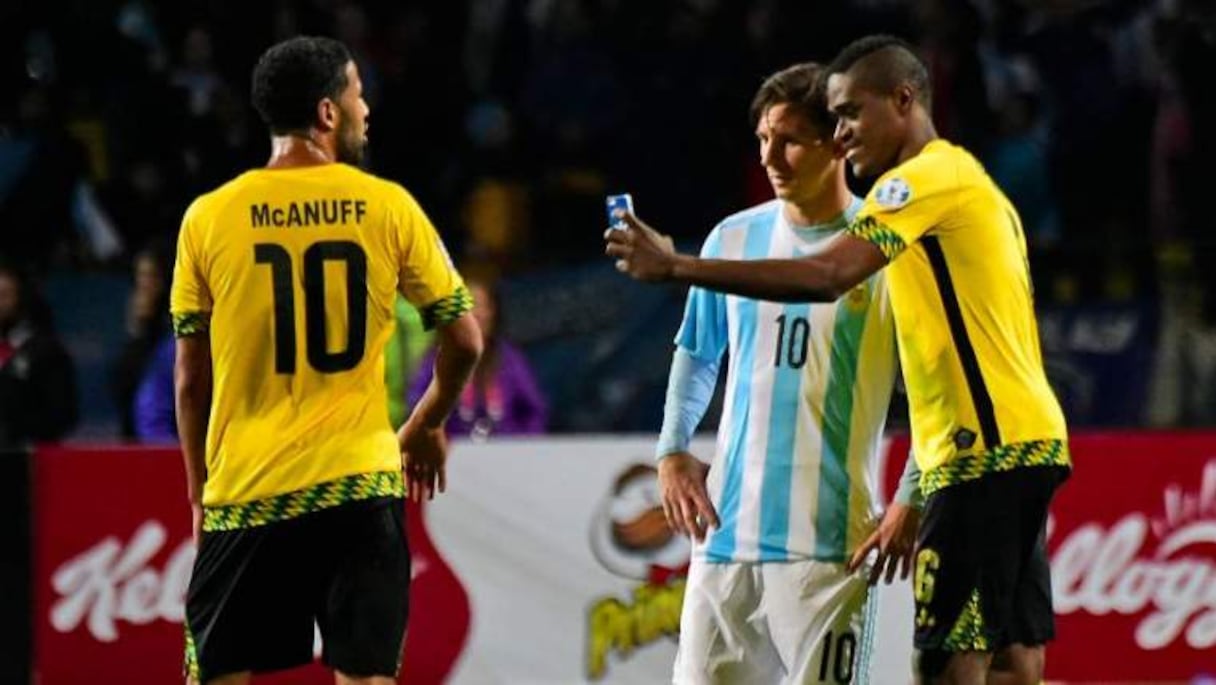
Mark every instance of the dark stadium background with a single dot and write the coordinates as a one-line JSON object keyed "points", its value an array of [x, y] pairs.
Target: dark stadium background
{"points": [[510, 120]]}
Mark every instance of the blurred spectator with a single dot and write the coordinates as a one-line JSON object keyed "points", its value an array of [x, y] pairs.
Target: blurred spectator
{"points": [[351, 27], [950, 34], [153, 412], [503, 397], [405, 351], [37, 378], [1098, 123], [1017, 155], [1187, 40], [147, 324], [40, 166], [512, 118], [496, 212], [197, 76], [142, 199], [569, 108]]}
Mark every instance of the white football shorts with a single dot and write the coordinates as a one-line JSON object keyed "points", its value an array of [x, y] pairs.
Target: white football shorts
{"points": [[801, 622]]}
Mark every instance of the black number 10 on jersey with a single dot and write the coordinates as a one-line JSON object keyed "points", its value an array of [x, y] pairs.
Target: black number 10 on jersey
{"points": [[793, 341], [316, 346]]}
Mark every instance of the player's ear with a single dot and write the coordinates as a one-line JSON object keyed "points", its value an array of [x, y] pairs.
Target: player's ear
{"points": [[905, 98], [327, 114]]}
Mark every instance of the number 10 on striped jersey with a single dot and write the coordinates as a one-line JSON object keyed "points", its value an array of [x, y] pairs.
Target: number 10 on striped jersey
{"points": [[793, 339]]}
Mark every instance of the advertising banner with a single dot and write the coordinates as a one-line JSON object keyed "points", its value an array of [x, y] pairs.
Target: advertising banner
{"points": [[548, 561], [570, 569], [111, 563], [1132, 543], [112, 558]]}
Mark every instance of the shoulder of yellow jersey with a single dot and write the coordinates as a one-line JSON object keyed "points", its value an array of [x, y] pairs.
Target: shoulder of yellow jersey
{"points": [[382, 186], [940, 166], [218, 197]]}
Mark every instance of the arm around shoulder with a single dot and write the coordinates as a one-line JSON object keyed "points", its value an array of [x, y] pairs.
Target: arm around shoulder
{"points": [[822, 277]]}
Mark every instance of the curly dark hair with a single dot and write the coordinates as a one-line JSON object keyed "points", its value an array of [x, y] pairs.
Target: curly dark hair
{"points": [[293, 76], [882, 63], [801, 87]]}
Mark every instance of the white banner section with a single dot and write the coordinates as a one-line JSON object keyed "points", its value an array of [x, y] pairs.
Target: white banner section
{"points": [[571, 573]]}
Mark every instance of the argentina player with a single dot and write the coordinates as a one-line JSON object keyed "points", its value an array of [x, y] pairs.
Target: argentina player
{"points": [[790, 495]]}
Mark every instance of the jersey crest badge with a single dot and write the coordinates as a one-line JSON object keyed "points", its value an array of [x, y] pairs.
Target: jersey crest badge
{"points": [[857, 298], [893, 193], [964, 439]]}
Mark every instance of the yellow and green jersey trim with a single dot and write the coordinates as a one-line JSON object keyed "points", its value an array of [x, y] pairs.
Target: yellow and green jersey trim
{"points": [[870, 229], [289, 505], [1003, 458], [968, 633], [447, 310], [191, 323], [190, 667]]}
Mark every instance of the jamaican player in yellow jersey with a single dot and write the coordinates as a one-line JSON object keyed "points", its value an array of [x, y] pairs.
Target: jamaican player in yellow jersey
{"points": [[988, 433], [282, 303]]}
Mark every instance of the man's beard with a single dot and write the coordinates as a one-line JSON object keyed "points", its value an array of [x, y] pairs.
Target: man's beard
{"points": [[351, 146]]}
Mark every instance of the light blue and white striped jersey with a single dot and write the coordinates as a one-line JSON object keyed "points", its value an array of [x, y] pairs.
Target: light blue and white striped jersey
{"points": [[807, 390]]}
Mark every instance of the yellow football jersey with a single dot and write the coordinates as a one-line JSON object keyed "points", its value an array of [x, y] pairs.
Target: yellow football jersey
{"points": [[293, 274], [968, 342]]}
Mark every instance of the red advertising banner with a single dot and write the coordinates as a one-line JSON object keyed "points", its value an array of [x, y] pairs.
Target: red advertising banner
{"points": [[112, 557], [111, 561], [1132, 542]]}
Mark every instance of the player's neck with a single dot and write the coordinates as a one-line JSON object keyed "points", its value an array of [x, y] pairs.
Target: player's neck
{"points": [[919, 136], [297, 150], [821, 208]]}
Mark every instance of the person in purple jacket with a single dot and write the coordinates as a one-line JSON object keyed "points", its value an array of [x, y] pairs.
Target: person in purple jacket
{"points": [[502, 398], [152, 411]]}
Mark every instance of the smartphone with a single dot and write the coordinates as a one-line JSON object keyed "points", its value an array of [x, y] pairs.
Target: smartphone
{"points": [[623, 201]]}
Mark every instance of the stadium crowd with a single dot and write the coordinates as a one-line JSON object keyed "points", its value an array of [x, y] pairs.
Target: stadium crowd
{"points": [[511, 119]]}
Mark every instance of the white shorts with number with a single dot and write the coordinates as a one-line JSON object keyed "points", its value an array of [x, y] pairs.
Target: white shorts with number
{"points": [[767, 623]]}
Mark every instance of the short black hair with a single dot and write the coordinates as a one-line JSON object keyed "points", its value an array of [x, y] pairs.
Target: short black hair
{"points": [[801, 87], [293, 76], [883, 63]]}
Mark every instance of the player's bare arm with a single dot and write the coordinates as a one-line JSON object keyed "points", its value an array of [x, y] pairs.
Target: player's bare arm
{"points": [[422, 438], [646, 255], [192, 396], [686, 502]]}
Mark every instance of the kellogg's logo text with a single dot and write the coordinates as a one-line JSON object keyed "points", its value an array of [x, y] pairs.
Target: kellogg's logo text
{"points": [[1161, 569], [110, 583]]}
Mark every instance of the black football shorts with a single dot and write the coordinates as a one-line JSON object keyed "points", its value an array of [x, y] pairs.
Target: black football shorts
{"points": [[982, 581], [256, 593]]}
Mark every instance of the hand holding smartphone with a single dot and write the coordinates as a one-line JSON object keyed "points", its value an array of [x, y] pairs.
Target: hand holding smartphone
{"points": [[623, 201]]}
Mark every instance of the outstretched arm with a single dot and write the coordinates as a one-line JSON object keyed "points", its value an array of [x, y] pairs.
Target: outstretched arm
{"points": [[646, 255]]}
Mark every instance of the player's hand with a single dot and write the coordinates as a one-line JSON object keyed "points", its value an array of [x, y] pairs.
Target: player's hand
{"points": [[424, 454], [685, 500], [196, 521], [641, 251], [895, 542]]}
